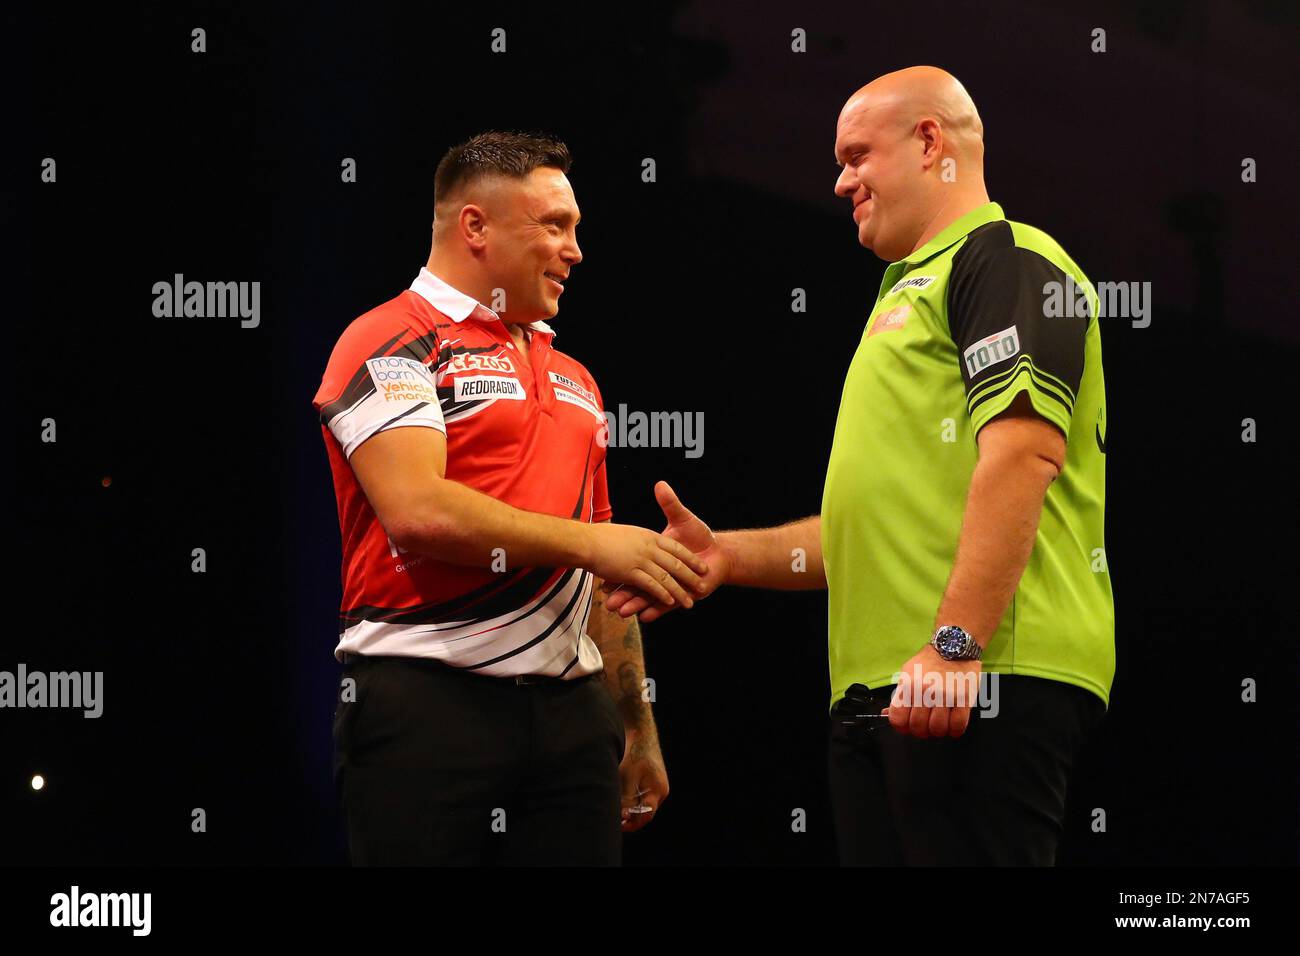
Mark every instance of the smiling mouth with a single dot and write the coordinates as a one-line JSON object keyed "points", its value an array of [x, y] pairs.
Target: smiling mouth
{"points": [[557, 279]]}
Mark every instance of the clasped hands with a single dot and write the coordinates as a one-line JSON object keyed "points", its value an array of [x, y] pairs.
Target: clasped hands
{"points": [[689, 531]]}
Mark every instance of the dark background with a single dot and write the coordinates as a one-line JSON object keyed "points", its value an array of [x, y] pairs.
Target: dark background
{"points": [[219, 687]]}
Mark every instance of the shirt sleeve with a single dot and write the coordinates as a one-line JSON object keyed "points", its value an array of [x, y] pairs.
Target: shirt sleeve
{"points": [[1006, 340], [375, 382]]}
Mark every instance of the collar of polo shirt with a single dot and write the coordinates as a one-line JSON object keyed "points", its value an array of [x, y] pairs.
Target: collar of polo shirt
{"points": [[456, 305], [980, 216]]}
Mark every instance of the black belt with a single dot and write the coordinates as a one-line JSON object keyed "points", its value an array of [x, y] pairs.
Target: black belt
{"points": [[522, 680]]}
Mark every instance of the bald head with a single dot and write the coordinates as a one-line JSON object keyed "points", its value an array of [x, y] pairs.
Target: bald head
{"points": [[906, 97], [911, 147]]}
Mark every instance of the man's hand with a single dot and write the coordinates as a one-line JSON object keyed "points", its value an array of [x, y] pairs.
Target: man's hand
{"points": [[684, 527], [644, 781], [655, 564], [934, 696]]}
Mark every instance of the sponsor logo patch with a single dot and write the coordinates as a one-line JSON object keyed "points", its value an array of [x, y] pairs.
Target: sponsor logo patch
{"points": [[991, 350], [571, 399], [911, 282], [466, 362], [402, 380], [895, 318], [573, 386], [479, 387]]}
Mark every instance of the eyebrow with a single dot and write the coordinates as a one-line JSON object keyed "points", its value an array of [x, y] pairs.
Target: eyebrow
{"points": [[849, 150], [564, 214]]}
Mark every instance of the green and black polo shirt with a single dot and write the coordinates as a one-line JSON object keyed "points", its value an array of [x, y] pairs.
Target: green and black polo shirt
{"points": [[960, 327]]}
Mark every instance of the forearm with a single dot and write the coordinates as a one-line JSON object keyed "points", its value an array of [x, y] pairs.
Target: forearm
{"points": [[787, 557], [1003, 507], [619, 642], [462, 526]]}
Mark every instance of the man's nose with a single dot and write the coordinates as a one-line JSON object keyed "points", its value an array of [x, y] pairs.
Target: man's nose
{"points": [[572, 254], [847, 183]]}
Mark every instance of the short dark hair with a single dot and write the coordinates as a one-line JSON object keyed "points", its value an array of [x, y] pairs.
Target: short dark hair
{"points": [[493, 153]]}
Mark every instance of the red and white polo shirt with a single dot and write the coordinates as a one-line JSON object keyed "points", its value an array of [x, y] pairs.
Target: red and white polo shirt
{"points": [[434, 357]]}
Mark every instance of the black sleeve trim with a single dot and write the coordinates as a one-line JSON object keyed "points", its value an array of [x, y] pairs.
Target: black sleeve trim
{"points": [[997, 311]]}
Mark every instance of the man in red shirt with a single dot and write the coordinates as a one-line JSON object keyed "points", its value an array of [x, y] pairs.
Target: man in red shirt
{"points": [[469, 466]]}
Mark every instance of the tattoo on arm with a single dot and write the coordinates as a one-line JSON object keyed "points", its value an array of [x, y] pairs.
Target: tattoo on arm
{"points": [[631, 672], [632, 636], [619, 641]]}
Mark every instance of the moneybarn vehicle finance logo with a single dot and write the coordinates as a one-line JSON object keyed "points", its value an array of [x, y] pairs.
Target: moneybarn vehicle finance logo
{"points": [[402, 379]]}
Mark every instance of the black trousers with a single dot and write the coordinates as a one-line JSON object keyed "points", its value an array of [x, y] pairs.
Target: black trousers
{"points": [[443, 767], [994, 796]]}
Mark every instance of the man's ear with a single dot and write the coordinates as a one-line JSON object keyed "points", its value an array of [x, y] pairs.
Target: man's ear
{"points": [[930, 134], [472, 224]]}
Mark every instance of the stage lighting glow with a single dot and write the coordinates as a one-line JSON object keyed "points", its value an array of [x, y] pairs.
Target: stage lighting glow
{"points": [[38, 782]]}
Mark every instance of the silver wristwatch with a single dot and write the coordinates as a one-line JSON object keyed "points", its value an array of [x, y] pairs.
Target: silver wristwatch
{"points": [[955, 644]]}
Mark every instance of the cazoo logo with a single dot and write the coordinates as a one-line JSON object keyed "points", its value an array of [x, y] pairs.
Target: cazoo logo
{"points": [[466, 362]]}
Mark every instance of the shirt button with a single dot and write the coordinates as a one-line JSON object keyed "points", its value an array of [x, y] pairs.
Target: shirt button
{"points": [[510, 345]]}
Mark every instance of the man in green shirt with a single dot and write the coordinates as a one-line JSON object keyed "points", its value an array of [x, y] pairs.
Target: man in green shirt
{"points": [[964, 504]]}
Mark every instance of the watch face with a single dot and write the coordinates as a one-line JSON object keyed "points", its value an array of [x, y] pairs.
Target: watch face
{"points": [[951, 640]]}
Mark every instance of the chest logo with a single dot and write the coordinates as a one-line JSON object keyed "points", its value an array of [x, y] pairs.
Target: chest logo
{"points": [[469, 362], [479, 387], [569, 398], [911, 282], [572, 386], [895, 318]]}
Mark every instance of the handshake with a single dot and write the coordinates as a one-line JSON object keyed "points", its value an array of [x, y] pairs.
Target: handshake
{"points": [[648, 574]]}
